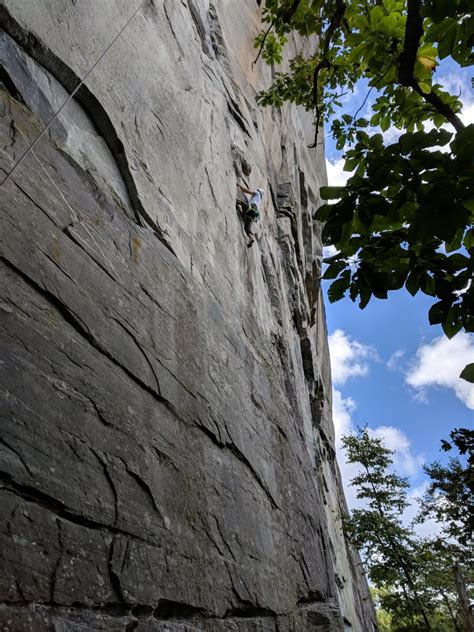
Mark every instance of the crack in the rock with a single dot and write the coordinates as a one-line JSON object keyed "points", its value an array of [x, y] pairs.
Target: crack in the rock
{"points": [[114, 577], [217, 38], [243, 459], [216, 203], [237, 115], [81, 328], [147, 490], [200, 28], [304, 568], [313, 596], [33, 495], [34, 202], [249, 611], [159, 124], [68, 232], [154, 300], [110, 481], [18, 455], [9, 84], [140, 348], [164, 458], [165, 9], [168, 609], [224, 539], [246, 609], [212, 540], [54, 574], [56, 265]]}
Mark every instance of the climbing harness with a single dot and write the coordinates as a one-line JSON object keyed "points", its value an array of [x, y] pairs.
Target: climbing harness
{"points": [[69, 99], [253, 212]]}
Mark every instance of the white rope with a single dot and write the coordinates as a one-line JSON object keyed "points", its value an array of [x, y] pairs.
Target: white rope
{"points": [[58, 189], [69, 99], [56, 186]]}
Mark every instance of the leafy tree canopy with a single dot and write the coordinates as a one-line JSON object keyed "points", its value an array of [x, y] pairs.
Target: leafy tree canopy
{"points": [[406, 216], [413, 578], [388, 548], [449, 498]]}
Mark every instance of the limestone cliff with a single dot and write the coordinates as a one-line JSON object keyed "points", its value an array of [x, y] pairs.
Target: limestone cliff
{"points": [[167, 450]]}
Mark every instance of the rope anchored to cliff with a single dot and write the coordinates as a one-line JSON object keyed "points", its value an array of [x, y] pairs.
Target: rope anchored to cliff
{"points": [[70, 97]]}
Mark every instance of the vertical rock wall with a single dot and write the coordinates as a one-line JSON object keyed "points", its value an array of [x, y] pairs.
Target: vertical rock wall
{"points": [[167, 450]]}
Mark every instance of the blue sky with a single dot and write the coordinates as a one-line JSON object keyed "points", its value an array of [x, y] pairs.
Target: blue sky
{"points": [[391, 369]]}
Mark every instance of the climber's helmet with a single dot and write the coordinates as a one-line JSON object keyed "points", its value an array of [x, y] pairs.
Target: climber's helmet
{"points": [[261, 191]]}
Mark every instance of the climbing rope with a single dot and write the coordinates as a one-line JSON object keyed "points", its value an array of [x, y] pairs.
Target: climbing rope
{"points": [[59, 190], [69, 99], [74, 214]]}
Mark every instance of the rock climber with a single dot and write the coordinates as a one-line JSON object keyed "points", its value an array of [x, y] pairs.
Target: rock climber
{"points": [[250, 210]]}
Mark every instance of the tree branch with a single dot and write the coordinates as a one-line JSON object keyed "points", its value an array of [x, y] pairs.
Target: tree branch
{"points": [[407, 61], [336, 21], [439, 105], [262, 45], [413, 35], [286, 17]]}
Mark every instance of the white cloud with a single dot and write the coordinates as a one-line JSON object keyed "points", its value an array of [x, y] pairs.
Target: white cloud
{"points": [[457, 84], [349, 358], [329, 251], [467, 114], [342, 409], [394, 360], [428, 529], [439, 364], [391, 135], [405, 463], [337, 177]]}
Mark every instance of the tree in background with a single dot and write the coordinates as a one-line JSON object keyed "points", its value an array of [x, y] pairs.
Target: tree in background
{"points": [[388, 549], [414, 586], [406, 216], [437, 559], [449, 500]]}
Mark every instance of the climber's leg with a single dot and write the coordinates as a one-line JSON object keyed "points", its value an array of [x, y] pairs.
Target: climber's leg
{"points": [[248, 221], [242, 206]]}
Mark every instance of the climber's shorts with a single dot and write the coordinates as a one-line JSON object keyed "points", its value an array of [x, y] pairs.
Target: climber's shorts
{"points": [[252, 212]]}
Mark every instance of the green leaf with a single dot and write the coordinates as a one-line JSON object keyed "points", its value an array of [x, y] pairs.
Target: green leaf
{"points": [[413, 283], [452, 323], [427, 284], [438, 312], [458, 262], [468, 373], [446, 43], [333, 270], [365, 296], [337, 289], [425, 87], [457, 241], [331, 193], [469, 203], [469, 239]]}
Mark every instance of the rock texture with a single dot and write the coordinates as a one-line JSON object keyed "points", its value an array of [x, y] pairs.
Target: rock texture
{"points": [[167, 450]]}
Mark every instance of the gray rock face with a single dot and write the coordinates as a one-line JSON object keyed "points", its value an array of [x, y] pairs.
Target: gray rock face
{"points": [[166, 451]]}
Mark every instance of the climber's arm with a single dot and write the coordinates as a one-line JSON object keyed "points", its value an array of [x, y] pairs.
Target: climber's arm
{"points": [[244, 190]]}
